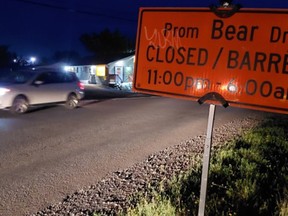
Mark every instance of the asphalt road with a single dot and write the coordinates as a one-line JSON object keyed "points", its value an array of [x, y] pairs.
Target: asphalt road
{"points": [[49, 153]]}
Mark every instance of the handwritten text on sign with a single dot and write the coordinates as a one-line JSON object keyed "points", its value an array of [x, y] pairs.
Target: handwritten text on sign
{"points": [[191, 52]]}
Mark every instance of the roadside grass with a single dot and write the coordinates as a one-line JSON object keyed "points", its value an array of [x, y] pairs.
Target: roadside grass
{"points": [[158, 205], [248, 176], [283, 205]]}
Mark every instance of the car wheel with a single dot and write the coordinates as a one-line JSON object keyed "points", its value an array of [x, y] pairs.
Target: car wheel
{"points": [[20, 105], [72, 101]]}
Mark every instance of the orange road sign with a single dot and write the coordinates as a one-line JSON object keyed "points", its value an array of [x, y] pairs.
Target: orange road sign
{"points": [[190, 52]]}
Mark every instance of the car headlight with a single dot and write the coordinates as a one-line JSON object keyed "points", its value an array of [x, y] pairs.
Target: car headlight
{"points": [[3, 91]]}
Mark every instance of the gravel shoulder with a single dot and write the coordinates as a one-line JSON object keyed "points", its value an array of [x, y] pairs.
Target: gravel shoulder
{"points": [[112, 193]]}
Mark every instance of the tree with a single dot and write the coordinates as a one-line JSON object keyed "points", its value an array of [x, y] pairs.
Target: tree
{"points": [[66, 56], [5, 56], [108, 45]]}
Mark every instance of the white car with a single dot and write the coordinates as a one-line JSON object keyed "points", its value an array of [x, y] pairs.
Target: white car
{"points": [[21, 89]]}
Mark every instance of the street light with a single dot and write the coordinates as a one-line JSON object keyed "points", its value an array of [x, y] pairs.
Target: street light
{"points": [[32, 60]]}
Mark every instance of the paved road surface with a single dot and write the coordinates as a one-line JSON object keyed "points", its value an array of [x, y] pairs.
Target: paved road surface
{"points": [[49, 153]]}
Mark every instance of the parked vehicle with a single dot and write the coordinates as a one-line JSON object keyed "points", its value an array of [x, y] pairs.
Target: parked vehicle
{"points": [[20, 90]]}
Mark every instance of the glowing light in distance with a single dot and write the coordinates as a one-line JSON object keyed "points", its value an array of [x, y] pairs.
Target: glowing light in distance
{"points": [[33, 60], [100, 70], [68, 68]]}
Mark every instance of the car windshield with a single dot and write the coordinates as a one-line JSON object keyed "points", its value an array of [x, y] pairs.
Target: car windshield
{"points": [[17, 77]]}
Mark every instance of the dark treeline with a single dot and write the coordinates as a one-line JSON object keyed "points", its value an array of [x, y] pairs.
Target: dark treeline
{"points": [[103, 47]]}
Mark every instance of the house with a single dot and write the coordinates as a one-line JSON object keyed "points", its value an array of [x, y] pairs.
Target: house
{"points": [[115, 74], [121, 72]]}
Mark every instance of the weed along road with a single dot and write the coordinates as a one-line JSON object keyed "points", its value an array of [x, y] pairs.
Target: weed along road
{"points": [[50, 153]]}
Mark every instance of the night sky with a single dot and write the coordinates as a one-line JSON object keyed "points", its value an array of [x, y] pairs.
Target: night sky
{"points": [[41, 27]]}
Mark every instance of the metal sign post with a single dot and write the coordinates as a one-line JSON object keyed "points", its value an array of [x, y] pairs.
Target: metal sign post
{"points": [[213, 96], [210, 125], [206, 160]]}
